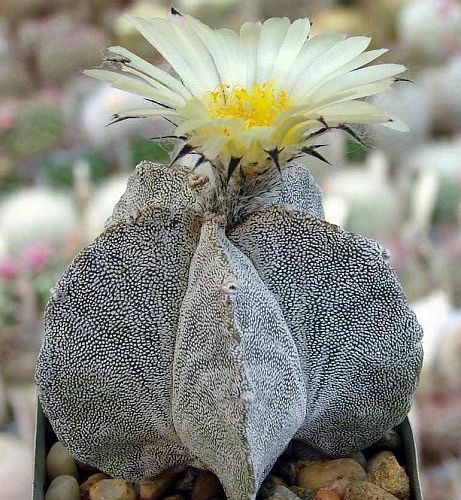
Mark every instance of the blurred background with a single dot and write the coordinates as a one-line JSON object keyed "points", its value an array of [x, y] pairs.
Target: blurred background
{"points": [[62, 170]]}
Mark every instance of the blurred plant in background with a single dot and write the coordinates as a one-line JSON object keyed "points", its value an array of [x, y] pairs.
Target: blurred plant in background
{"points": [[62, 170]]}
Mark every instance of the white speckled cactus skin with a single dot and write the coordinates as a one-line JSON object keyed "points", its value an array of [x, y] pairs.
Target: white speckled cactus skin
{"points": [[188, 335]]}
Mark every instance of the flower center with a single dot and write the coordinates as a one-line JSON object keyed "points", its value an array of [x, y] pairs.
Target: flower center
{"points": [[259, 106]]}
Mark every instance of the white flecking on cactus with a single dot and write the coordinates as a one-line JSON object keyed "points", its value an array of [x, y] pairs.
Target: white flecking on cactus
{"points": [[218, 316]]}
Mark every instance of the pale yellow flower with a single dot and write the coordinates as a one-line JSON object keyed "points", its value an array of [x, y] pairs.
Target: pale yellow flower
{"points": [[257, 96]]}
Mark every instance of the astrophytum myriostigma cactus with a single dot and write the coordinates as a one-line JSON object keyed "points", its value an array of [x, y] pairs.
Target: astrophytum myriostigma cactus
{"points": [[219, 316]]}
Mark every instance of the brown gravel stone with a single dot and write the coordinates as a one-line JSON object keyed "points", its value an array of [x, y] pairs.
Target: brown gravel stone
{"points": [[112, 489], [269, 484], [340, 486], [63, 487], [282, 493], [156, 489], [207, 486], [389, 475], [322, 473], [288, 470], [59, 462], [302, 493], [376, 460], [185, 484], [86, 486], [359, 457], [362, 490], [326, 494], [174, 497]]}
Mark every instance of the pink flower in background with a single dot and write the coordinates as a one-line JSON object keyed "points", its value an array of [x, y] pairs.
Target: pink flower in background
{"points": [[7, 119], [446, 7], [450, 44], [9, 268], [52, 94], [37, 256]]}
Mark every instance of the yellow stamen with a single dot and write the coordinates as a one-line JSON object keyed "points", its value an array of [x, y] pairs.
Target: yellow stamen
{"points": [[258, 107]]}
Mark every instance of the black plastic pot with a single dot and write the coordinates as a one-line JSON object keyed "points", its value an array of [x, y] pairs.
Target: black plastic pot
{"points": [[45, 437]]}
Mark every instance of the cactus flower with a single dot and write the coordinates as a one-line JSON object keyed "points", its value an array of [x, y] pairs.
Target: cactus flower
{"points": [[270, 87], [219, 316]]}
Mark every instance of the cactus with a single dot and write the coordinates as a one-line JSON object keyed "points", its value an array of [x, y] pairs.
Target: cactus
{"points": [[187, 336], [219, 316]]}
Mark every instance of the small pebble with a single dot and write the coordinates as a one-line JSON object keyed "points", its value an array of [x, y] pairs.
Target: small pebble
{"points": [[174, 497], [269, 484], [362, 490], [185, 483], [92, 480], [63, 487], [389, 475], [326, 494], [207, 486], [288, 470], [359, 457], [156, 489], [282, 493], [316, 475], [112, 489], [378, 459], [59, 462], [302, 493], [340, 486]]}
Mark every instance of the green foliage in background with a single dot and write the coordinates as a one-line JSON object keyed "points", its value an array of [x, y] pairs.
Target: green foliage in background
{"points": [[449, 197], [38, 127], [154, 151], [58, 172], [355, 151]]}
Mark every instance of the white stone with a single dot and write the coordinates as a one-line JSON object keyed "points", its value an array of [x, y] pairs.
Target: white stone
{"points": [[63, 488]]}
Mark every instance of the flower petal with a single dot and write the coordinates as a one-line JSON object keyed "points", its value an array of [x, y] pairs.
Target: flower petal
{"points": [[149, 69], [272, 36], [358, 62], [360, 77], [294, 41], [311, 51], [223, 46], [197, 49], [397, 124], [129, 84], [174, 46], [146, 112], [333, 59], [352, 112], [355, 93], [249, 39]]}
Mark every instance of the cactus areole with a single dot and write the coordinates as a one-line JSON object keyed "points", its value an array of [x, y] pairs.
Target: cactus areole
{"points": [[219, 316]]}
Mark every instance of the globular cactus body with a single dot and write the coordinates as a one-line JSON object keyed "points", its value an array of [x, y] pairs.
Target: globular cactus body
{"points": [[177, 338]]}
